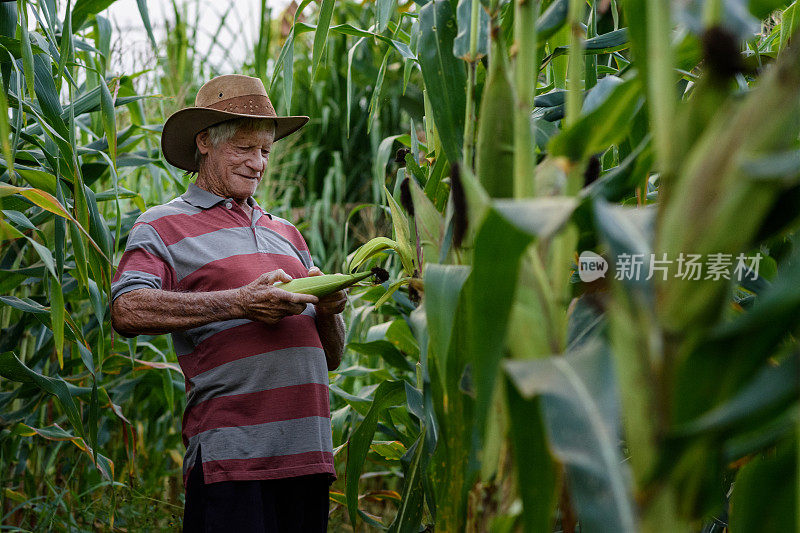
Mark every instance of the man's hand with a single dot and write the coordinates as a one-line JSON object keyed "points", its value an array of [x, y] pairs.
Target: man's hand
{"points": [[262, 301], [332, 304]]}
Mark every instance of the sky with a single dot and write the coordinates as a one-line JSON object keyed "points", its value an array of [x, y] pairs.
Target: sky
{"points": [[237, 35]]}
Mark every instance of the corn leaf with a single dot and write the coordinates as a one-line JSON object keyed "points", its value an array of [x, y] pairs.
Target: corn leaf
{"points": [[321, 35], [578, 394], [752, 508], [15, 370], [498, 248], [444, 75], [388, 394]]}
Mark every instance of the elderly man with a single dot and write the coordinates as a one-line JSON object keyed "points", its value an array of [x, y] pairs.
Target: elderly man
{"points": [[255, 358]]}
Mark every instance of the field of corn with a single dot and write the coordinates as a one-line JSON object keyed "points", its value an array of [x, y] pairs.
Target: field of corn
{"points": [[487, 154]]}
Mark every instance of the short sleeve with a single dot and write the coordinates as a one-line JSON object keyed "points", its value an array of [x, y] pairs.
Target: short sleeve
{"points": [[145, 264]]}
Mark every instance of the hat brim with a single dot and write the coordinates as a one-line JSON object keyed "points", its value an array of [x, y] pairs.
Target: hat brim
{"points": [[180, 129]]}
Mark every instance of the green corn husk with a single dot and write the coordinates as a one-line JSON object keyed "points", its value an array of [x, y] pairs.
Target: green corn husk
{"points": [[495, 148], [329, 283]]}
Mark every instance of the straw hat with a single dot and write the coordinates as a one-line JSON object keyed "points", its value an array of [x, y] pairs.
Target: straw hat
{"points": [[220, 99]]}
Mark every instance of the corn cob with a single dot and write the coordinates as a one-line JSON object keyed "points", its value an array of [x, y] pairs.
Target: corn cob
{"points": [[329, 283], [495, 149]]}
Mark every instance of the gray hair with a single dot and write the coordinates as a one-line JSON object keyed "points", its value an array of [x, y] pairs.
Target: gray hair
{"points": [[224, 131]]}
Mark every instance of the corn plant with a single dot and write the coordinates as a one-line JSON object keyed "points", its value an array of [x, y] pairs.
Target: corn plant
{"points": [[66, 169], [618, 405]]}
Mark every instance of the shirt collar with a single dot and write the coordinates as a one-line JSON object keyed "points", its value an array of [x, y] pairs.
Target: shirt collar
{"points": [[204, 199]]}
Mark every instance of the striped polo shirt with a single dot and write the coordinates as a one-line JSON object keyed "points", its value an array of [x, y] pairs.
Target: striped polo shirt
{"points": [[256, 394]]}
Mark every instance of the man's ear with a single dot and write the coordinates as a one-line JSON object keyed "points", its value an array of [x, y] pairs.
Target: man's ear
{"points": [[203, 144]]}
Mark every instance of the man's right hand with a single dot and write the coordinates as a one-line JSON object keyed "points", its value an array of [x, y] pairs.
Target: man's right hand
{"points": [[262, 301]]}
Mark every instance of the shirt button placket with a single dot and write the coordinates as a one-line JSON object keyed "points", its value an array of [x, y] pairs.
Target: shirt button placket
{"points": [[256, 216]]}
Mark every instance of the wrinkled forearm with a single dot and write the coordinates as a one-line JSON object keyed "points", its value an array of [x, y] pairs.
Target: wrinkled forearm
{"points": [[331, 333], [154, 312]]}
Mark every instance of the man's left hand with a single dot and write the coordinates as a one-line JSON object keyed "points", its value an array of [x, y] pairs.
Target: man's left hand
{"points": [[332, 304]]}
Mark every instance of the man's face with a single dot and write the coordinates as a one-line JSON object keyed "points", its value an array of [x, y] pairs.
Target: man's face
{"points": [[235, 168]]}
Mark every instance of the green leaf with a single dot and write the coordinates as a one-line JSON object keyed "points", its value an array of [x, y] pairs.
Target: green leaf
{"points": [[650, 28], [552, 19], [47, 94], [619, 182], [379, 163], [402, 236], [536, 470], [94, 417], [390, 449], [25, 41], [359, 404], [585, 322], [9, 232], [606, 43], [429, 223], [628, 231], [608, 123], [90, 102], [790, 21], [705, 379], [56, 433], [47, 202], [167, 386], [350, 55], [5, 127], [391, 290], [15, 370], [14, 46], [321, 35], [539, 217], [288, 72], [383, 11], [401, 47], [375, 246], [578, 394], [399, 334], [498, 248], [109, 119], [57, 318], [461, 44], [385, 350], [286, 57], [144, 13], [374, 102], [24, 304], [86, 356], [756, 509], [409, 515], [45, 255], [772, 386], [38, 178], [443, 284], [388, 394], [19, 219], [444, 75], [86, 8]]}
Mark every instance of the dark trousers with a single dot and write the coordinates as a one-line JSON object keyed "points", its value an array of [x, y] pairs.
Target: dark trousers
{"points": [[297, 504]]}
